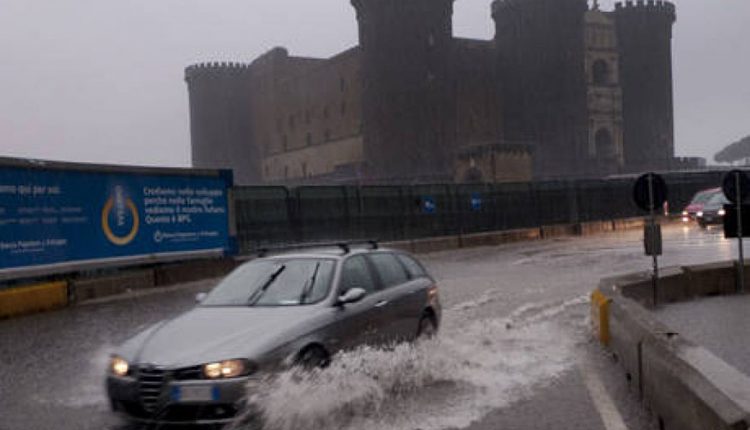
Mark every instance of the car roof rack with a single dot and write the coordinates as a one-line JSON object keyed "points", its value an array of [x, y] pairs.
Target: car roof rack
{"points": [[344, 245]]}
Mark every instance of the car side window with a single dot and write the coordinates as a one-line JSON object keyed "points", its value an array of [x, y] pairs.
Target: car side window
{"points": [[356, 274], [414, 269], [389, 269]]}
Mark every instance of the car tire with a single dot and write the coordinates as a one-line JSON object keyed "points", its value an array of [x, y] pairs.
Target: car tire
{"points": [[427, 327], [314, 357]]}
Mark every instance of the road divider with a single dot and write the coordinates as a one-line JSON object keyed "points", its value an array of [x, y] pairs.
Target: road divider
{"points": [[684, 385]]}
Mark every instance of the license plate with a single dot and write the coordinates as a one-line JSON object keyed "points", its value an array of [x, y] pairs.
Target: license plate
{"points": [[198, 393]]}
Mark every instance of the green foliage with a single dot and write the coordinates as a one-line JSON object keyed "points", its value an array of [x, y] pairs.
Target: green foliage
{"points": [[736, 151]]}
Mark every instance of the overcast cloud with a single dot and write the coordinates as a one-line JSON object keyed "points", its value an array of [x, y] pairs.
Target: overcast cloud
{"points": [[102, 80]]}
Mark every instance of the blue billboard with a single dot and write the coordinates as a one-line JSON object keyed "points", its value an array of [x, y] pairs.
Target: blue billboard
{"points": [[50, 216]]}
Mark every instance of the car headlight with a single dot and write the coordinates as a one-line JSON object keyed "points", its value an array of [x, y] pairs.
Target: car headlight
{"points": [[722, 212], [685, 213], [699, 214], [118, 366], [226, 369]]}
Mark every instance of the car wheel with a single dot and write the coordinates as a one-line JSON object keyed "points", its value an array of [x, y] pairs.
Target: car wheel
{"points": [[703, 225], [427, 327], [314, 357]]}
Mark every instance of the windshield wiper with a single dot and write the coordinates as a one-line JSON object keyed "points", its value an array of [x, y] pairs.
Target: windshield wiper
{"points": [[257, 294], [309, 285]]}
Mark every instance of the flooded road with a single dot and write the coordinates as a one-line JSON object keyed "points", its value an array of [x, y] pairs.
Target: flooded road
{"points": [[514, 350]]}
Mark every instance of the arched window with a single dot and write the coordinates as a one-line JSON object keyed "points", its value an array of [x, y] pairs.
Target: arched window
{"points": [[600, 71]]}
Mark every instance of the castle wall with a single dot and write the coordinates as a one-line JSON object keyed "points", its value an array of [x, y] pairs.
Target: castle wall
{"points": [[313, 161], [311, 102]]}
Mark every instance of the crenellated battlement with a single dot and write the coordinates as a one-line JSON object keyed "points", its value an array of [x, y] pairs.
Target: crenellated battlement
{"points": [[215, 68], [499, 6], [654, 7]]}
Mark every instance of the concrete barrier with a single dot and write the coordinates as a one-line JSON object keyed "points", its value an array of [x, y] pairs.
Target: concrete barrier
{"points": [[29, 299], [88, 288], [559, 230], [684, 385], [188, 271]]}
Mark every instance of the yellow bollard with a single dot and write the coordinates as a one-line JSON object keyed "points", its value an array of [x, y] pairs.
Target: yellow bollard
{"points": [[600, 316], [33, 298]]}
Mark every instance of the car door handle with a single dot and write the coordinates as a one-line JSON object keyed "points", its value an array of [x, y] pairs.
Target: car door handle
{"points": [[381, 303]]}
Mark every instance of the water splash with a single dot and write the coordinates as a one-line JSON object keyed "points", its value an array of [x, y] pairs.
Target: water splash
{"points": [[473, 367]]}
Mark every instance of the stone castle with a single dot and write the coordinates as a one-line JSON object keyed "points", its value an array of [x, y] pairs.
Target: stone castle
{"points": [[563, 90]]}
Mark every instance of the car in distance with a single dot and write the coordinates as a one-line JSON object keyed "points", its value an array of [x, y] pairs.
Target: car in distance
{"points": [[713, 211], [693, 210], [294, 308]]}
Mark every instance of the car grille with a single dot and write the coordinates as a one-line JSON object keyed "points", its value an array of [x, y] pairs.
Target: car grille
{"points": [[151, 383]]}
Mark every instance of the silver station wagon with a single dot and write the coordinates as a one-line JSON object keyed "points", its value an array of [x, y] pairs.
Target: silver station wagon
{"points": [[294, 308]]}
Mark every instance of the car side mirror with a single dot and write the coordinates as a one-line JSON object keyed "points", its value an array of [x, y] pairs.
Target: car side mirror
{"points": [[352, 295], [200, 297]]}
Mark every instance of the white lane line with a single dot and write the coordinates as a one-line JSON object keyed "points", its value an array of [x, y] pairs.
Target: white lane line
{"points": [[603, 402]]}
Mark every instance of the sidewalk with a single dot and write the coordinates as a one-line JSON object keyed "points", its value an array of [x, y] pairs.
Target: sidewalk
{"points": [[720, 324]]}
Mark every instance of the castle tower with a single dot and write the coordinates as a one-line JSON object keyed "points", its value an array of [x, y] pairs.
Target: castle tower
{"points": [[644, 34], [408, 87], [541, 63], [221, 119]]}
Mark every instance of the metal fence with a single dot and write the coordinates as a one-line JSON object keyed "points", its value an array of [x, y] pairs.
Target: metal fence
{"points": [[274, 215]]}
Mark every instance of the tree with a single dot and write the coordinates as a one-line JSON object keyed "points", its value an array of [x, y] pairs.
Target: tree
{"points": [[736, 151]]}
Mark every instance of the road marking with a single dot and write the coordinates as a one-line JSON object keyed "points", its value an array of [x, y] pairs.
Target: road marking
{"points": [[603, 402]]}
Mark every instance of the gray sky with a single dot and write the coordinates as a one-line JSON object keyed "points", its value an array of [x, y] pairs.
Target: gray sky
{"points": [[101, 80]]}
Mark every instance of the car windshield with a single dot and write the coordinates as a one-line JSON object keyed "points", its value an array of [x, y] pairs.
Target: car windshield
{"points": [[278, 282], [704, 197]]}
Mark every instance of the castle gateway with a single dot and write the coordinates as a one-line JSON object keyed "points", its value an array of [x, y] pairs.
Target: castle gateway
{"points": [[563, 90]]}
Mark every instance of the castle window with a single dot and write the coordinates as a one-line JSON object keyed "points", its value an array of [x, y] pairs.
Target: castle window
{"points": [[308, 139], [304, 169], [343, 108], [342, 84], [600, 72]]}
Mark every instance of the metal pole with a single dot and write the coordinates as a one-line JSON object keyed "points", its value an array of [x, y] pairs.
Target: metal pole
{"points": [[655, 275], [741, 274]]}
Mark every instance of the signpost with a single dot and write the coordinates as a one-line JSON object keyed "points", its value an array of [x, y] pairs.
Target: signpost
{"points": [[650, 193], [736, 187]]}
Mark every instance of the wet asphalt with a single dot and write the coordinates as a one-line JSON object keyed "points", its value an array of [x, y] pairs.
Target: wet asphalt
{"points": [[52, 365]]}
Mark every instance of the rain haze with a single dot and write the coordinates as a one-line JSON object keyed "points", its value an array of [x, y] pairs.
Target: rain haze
{"points": [[102, 81]]}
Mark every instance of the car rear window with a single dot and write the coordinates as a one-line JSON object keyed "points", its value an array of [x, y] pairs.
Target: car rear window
{"points": [[414, 269], [389, 269]]}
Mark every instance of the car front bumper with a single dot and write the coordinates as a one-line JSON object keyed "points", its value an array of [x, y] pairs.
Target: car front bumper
{"points": [[226, 402]]}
